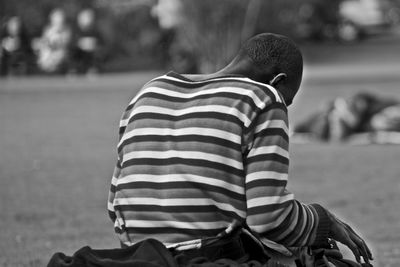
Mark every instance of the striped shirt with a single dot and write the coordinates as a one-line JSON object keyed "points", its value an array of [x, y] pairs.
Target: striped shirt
{"points": [[196, 156]]}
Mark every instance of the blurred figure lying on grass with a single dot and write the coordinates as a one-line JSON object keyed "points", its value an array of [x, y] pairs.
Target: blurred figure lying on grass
{"points": [[363, 117]]}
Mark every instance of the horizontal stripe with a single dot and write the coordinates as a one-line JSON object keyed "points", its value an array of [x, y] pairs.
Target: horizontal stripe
{"points": [[281, 124], [211, 209], [172, 209], [268, 132], [176, 202], [178, 187], [263, 92], [183, 146], [222, 117], [181, 178], [268, 150], [268, 208], [267, 157], [262, 201], [179, 112], [189, 84], [181, 132], [265, 183], [188, 163], [161, 215], [183, 154], [266, 175], [246, 103], [181, 139], [176, 224], [216, 121], [273, 111], [171, 230], [234, 92], [180, 166]]}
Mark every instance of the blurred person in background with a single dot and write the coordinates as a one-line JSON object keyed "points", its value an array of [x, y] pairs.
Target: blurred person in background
{"points": [[15, 50], [343, 117], [86, 46], [53, 46], [179, 55]]}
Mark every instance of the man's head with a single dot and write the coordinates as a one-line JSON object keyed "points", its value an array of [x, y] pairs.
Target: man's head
{"points": [[274, 59]]}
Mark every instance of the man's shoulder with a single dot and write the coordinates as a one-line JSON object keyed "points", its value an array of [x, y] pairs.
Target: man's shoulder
{"points": [[239, 87], [266, 91]]}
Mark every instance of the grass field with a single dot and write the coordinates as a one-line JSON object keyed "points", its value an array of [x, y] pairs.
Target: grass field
{"points": [[57, 143]]}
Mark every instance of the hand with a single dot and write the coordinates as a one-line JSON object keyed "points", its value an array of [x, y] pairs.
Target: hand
{"points": [[344, 234]]}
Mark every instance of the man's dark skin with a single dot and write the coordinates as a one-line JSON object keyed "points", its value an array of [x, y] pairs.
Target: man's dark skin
{"points": [[244, 66], [288, 88]]}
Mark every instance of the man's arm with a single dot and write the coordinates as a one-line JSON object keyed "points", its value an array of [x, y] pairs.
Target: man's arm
{"points": [[111, 193], [117, 168], [272, 211]]}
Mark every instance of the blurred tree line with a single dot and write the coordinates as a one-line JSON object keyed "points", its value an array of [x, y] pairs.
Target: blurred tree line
{"points": [[131, 36], [215, 29], [203, 35]]}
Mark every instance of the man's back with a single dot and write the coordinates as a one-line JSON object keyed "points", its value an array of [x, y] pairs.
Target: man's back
{"points": [[197, 157], [183, 152]]}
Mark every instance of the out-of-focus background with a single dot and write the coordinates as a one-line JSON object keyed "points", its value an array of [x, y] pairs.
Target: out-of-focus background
{"points": [[80, 36], [69, 67]]}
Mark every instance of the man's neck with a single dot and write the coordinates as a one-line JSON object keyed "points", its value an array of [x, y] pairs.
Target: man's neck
{"points": [[202, 77], [236, 68]]}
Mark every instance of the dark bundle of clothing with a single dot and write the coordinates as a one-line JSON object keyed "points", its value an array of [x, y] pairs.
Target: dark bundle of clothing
{"points": [[149, 253], [234, 251]]}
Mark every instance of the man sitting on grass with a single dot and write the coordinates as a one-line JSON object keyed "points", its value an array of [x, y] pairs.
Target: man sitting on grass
{"points": [[204, 158]]}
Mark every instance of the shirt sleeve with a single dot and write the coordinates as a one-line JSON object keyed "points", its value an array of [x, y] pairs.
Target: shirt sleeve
{"points": [[117, 169], [111, 193], [272, 211]]}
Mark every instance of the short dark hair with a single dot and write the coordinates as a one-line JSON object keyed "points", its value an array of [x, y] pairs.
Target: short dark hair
{"points": [[268, 49]]}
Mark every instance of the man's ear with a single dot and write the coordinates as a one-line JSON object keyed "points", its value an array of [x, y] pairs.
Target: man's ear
{"points": [[278, 78]]}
